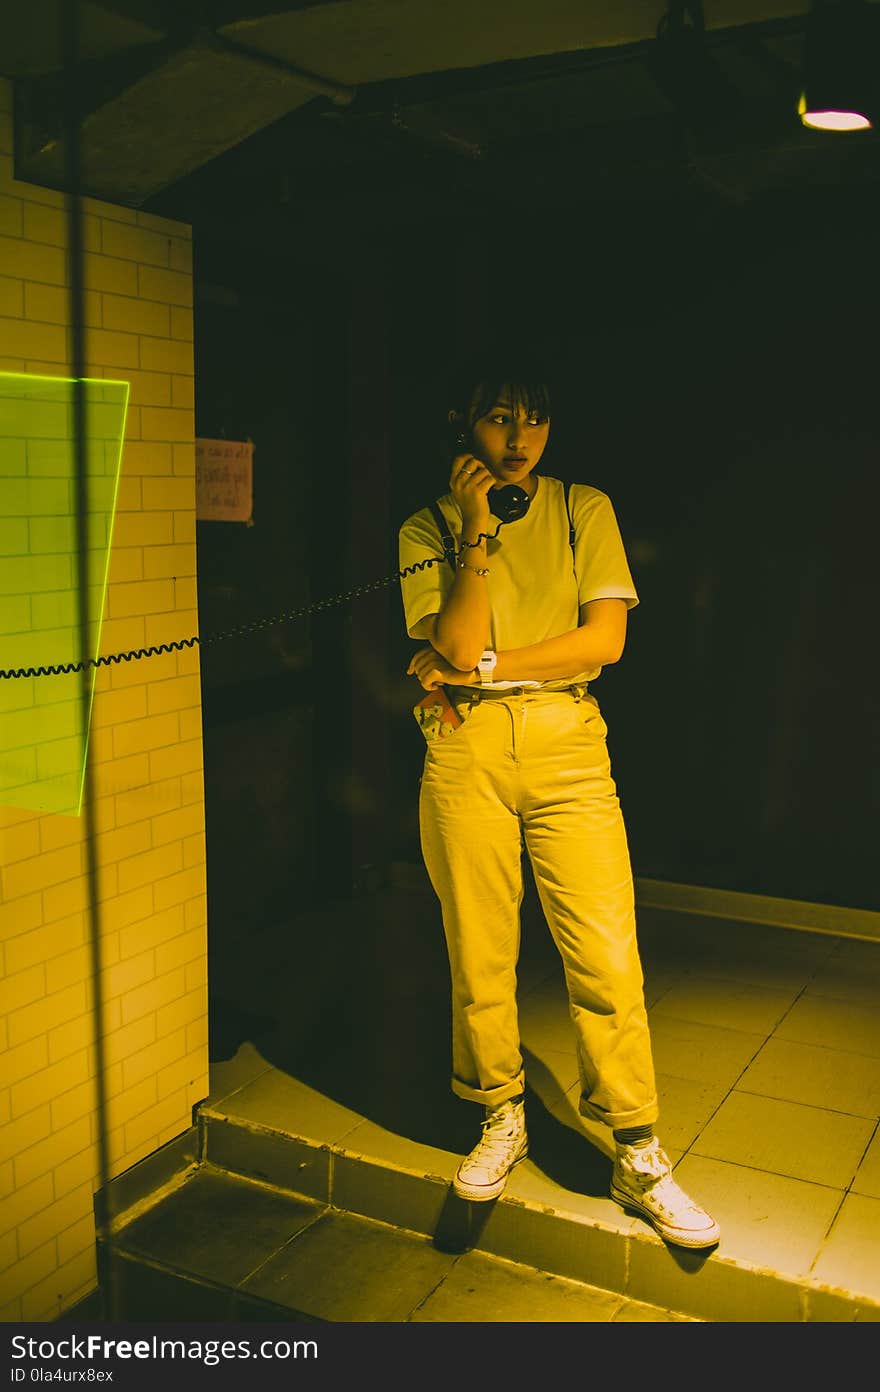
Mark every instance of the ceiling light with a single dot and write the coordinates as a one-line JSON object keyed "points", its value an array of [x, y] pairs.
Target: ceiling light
{"points": [[840, 61]]}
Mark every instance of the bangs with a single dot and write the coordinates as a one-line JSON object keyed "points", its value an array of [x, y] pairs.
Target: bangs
{"points": [[487, 373], [529, 393]]}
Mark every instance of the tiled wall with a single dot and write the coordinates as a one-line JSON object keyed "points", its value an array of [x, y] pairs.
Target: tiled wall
{"points": [[146, 751]]}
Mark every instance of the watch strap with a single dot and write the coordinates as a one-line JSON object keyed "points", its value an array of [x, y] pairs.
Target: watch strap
{"points": [[486, 665]]}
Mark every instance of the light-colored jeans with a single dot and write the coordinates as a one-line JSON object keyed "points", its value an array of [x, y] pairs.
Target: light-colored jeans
{"points": [[534, 766]]}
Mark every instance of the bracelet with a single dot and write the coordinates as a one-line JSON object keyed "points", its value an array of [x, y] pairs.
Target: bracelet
{"points": [[463, 565]]}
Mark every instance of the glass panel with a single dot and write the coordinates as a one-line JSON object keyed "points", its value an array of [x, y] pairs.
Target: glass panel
{"points": [[45, 730]]}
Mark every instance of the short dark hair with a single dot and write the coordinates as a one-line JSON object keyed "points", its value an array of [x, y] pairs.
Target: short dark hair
{"points": [[475, 384]]}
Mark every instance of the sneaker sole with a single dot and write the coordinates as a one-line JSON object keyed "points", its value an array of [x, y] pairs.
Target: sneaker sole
{"points": [[481, 1193], [681, 1238]]}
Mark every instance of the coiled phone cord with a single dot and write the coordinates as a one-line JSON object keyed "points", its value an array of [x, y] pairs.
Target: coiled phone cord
{"points": [[61, 668]]}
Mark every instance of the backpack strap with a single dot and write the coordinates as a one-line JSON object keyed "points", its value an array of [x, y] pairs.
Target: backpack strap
{"points": [[445, 535], [571, 538], [566, 492]]}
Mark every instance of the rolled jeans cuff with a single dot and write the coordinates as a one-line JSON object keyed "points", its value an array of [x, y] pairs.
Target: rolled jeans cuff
{"points": [[491, 1097], [638, 1116]]}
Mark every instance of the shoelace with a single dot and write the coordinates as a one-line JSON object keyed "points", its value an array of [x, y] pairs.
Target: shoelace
{"points": [[671, 1199], [668, 1195], [652, 1161], [500, 1136]]}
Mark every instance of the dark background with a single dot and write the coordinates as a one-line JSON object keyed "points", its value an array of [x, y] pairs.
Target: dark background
{"points": [[713, 357], [371, 189], [721, 390]]}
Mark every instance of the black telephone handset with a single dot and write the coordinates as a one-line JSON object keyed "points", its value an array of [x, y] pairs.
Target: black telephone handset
{"points": [[507, 503]]}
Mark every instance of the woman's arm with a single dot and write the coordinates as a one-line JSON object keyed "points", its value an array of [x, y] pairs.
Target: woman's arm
{"points": [[597, 642], [463, 621]]}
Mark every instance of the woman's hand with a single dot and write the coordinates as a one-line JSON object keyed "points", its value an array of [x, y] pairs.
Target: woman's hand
{"points": [[470, 482], [433, 670]]}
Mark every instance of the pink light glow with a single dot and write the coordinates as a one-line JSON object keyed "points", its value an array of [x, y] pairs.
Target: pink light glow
{"points": [[835, 120]]}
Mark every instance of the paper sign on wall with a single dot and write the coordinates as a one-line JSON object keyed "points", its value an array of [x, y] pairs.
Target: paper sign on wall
{"points": [[225, 481]]}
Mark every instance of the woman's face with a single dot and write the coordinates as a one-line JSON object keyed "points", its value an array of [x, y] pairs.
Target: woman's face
{"points": [[509, 439]]}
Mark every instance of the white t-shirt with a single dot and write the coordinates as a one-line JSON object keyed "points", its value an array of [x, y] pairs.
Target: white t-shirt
{"points": [[534, 592]]}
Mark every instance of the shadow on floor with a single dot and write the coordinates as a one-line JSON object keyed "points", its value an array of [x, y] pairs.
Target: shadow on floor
{"points": [[352, 997]]}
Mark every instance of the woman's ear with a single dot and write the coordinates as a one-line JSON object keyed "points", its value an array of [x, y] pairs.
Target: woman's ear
{"points": [[459, 435]]}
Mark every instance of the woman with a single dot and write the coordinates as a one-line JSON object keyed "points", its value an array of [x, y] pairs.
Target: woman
{"points": [[531, 613]]}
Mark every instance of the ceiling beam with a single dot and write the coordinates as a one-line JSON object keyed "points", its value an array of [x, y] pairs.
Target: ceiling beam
{"points": [[159, 110], [155, 120]]}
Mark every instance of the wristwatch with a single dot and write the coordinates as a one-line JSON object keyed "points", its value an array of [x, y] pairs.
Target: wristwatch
{"points": [[486, 665]]}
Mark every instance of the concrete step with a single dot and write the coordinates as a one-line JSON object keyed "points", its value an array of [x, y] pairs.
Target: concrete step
{"points": [[334, 1219], [219, 1247], [582, 1236]]}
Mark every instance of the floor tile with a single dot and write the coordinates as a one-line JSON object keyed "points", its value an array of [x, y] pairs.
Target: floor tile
{"points": [[766, 940], [544, 1021], [786, 1138], [569, 1161], [820, 946], [219, 1227], [694, 936], [672, 932], [346, 1268], [531, 1184], [532, 975], [730, 1004], [483, 1289], [852, 975], [276, 1100], [569, 1167], [550, 1073], [815, 1075], [566, 1110], [228, 1075], [658, 981], [859, 953], [145, 1292], [374, 1141], [867, 1180], [837, 1024], [848, 1258], [787, 973], [685, 1108], [766, 1219], [252, 1310], [705, 1053]]}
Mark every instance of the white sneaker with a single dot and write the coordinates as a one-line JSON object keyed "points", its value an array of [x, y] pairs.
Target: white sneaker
{"points": [[483, 1174], [642, 1181]]}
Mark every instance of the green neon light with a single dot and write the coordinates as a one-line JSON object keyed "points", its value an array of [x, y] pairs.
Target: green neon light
{"points": [[45, 733]]}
